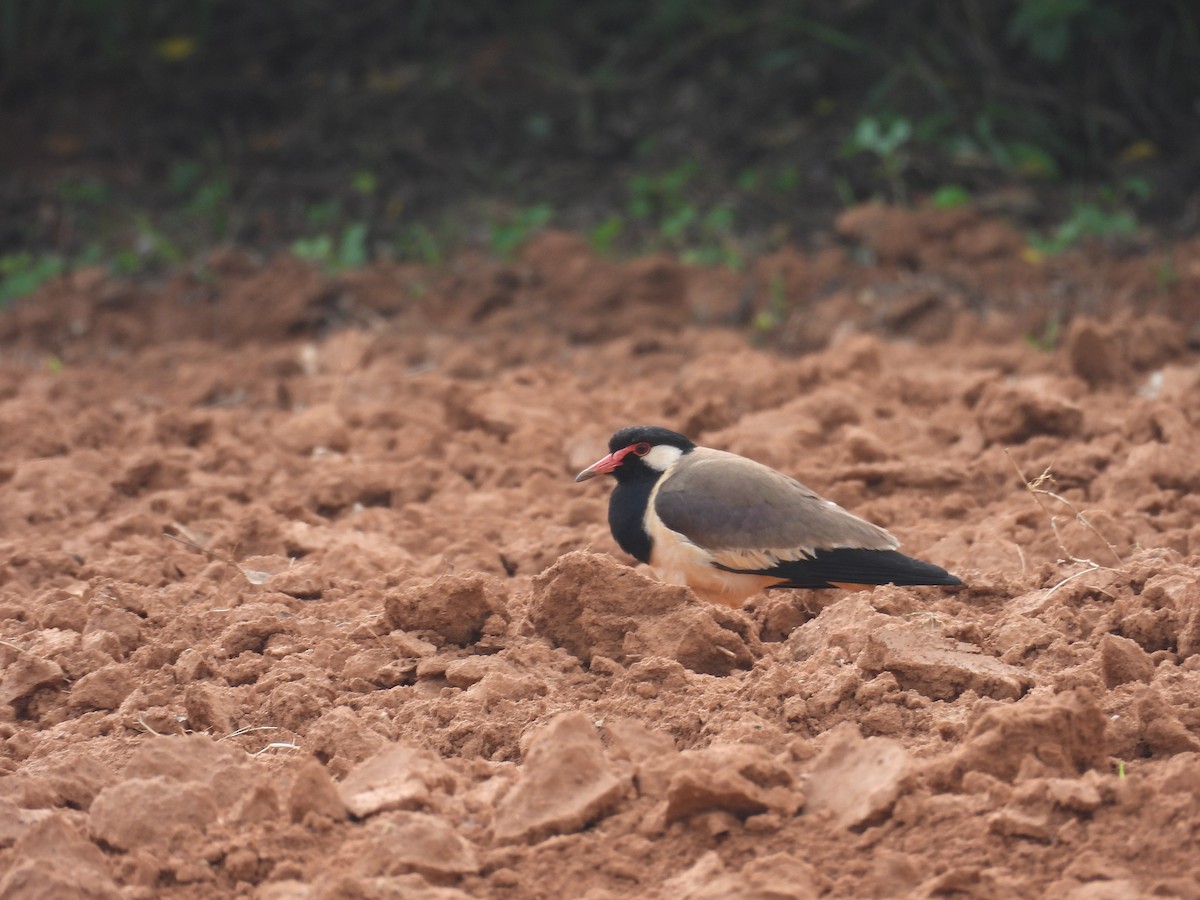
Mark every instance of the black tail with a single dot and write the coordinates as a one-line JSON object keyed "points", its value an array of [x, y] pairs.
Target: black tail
{"points": [[852, 566]]}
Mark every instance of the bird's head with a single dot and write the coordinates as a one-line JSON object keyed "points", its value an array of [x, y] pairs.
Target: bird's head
{"points": [[639, 451]]}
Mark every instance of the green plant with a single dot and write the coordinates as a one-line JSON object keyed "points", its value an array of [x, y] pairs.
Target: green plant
{"points": [[1086, 220], [321, 215], [950, 196], [183, 176], [22, 274], [602, 236], [1109, 216], [1048, 339], [713, 236], [1019, 157], [210, 201], [152, 247], [1046, 27], [786, 180], [83, 192], [508, 235], [661, 197], [365, 183], [778, 307], [348, 253], [713, 255], [748, 180], [886, 138], [1165, 274], [417, 242], [680, 222], [982, 145]]}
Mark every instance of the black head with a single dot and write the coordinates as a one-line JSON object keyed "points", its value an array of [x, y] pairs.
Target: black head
{"points": [[639, 451]]}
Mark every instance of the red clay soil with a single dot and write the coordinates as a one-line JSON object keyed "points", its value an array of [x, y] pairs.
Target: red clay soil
{"points": [[298, 598]]}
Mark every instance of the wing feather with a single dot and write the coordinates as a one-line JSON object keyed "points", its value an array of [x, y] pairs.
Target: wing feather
{"points": [[750, 516]]}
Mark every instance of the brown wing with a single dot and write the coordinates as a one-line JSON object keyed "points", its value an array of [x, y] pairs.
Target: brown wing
{"points": [[750, 516]]}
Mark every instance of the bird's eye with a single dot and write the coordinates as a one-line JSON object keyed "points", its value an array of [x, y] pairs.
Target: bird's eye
{"points": [[641, 449]]}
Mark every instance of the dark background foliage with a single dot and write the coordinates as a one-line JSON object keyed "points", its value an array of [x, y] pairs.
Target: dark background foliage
{"points": [[267, 122]]}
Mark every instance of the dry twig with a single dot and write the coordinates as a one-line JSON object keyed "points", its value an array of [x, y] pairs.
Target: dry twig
{"points": [[1038, 492]]}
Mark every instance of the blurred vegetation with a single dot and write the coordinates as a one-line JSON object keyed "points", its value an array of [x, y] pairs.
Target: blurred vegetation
{"points": [[350, 131]]}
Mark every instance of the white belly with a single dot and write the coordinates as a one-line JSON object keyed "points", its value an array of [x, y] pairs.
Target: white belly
{"points": [[676, 560]]}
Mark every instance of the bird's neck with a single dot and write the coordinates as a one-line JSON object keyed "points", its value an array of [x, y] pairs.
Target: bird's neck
{"points": [[626, 516]]}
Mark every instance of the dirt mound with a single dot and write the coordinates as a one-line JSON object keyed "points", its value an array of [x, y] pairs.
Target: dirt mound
{"points": [[308, 604], [593, 606]]}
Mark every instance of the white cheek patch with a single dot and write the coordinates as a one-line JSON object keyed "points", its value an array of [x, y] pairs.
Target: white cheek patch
{"points": [[661, 456]]}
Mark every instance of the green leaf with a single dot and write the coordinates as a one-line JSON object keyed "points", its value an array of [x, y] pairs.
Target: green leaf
{"points": [[317, 249], [884, 139], [22, 274], [1031, 160], [1045, 26], [605, 234], [365, 182], [1138, 187], [749, 180], [352, 254], [950, 196], [418, 242], [674, 225], [84, 192], [719, 220], [321, 214], [183, 176], [508, 237]]}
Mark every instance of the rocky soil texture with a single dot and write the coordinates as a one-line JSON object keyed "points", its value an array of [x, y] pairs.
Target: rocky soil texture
{"points": [[298, 598]]}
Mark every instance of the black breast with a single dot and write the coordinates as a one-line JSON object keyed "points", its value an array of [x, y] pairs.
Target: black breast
{"points": [[626, 513]]}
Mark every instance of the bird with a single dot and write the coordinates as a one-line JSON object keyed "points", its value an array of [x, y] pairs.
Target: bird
{"points": [[729, 527]]}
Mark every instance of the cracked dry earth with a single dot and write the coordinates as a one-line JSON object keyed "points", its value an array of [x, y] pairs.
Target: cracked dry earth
{"points": [[298, 598]]}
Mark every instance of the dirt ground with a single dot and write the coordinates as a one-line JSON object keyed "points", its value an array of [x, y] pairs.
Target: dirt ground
{"points": [[298, 598]]}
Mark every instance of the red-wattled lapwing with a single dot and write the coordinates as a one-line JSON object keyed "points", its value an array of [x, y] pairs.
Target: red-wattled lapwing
{"points": [[729, 527]]}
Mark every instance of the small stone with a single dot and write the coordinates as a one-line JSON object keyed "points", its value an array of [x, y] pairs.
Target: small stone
{"points": [[104, 688], [318, 426], [415, 842], [151, 812], [1095, 353], [1123, 660], [566, 782], [938, 667], [1109, 889], [695, 790], [462, 673], [741, 779], [1018, 823], [191, 666], [260, 805], [1013, 413], [452, 607], [209, 707], [313, 791], [52, 859], [779, 876], [1063, 734], [25, 675], [591, 605], [15, 821], [400, 776], [857, 779], [1079, 795]]}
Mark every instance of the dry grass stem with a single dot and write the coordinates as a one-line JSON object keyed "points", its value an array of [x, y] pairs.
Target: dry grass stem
{"points": [[1037, 491], [246, 729], [187, 541]]}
